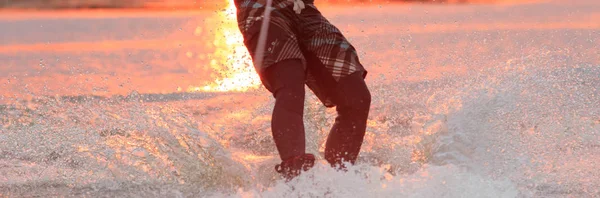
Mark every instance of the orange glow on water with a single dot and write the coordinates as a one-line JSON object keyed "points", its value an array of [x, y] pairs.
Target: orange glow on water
{"points": [[231, 59]]}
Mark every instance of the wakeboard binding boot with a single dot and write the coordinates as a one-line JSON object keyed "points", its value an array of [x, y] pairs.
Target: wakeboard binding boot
{"points": [[292, 167]]}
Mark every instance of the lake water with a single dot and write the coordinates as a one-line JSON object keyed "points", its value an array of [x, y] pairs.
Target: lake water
{"points": [[468, 101]]}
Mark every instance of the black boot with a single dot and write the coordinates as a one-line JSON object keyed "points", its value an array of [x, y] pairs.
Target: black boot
{"points": [[291, 168]]}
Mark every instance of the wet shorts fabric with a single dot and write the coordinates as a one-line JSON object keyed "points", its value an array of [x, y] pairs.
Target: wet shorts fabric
{"points": [[326, 54]]}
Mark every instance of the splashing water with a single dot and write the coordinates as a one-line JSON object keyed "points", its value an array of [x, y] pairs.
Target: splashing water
{"points": [[456, 112], [474, 141], [231, 58]]}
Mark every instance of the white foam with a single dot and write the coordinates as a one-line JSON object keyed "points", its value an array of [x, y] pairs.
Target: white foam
{"points": [[370, 181]]}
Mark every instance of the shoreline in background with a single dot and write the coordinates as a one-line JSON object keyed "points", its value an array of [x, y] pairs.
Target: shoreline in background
{"points": [[110, 4], [27, 14], [172, 5]]}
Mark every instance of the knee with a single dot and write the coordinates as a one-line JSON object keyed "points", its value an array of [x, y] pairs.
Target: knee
{"points": [[362, 102], [286, 79], [290, 98], [356, 99], [290, 93]]}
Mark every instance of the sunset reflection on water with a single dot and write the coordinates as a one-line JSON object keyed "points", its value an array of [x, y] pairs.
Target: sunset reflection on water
{"points": [[198, 51], [231, 59]]}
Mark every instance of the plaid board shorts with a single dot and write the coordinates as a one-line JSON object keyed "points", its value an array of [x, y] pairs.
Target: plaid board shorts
{"points": [[325, 53]]}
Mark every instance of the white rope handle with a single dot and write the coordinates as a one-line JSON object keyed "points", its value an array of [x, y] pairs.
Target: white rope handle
{"points": [[298, 6]]}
